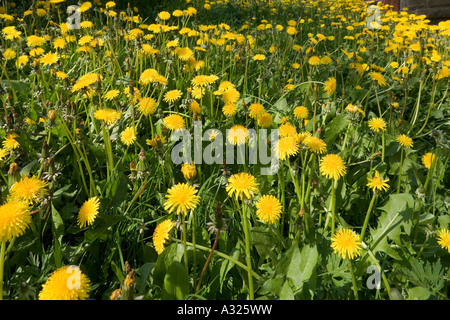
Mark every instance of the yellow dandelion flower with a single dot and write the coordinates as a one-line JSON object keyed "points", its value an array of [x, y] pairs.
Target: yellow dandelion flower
{"points": [[108, 116], [28, 190], [229, 109], [314, 61], [256, 110], [332, 166], [377, 124], [265, 120], [189, 171], [376, 183], [128, 136], [330, 86], [88, 212], [181, 198], [66, 283], [315, 145], [428, 159], [112, 94], [301, 112], [443, 237], [49, 59], [194, 107], [242, 185], [379, 78], [172, 96], [259, 57], [174, 122], [346, 243], [287, 130], [286, 147], [162, 234], [10, 143], [268, 209], [15, 217], [147, 106], [231, 95], [237, 135], [184, 53], [404, 141]]}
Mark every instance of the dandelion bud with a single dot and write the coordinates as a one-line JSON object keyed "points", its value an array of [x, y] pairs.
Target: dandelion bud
{"points": [[189, 171], [116, 295], [52, 115]]}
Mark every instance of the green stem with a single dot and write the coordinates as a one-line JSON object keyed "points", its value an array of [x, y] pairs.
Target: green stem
{"points": [[333, 205], [247, 253], [366, 220], [400, 172], [2, 263], [222, 255], [355, 286], [184, 232]]}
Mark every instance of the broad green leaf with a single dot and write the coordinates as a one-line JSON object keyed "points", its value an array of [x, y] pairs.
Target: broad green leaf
{"points": [[58, 232], [286, 292], [227, 265], [334, 128], [418, 293], [144, 273], [173, 252], [309, 255], [397, 212], [176, 282]]}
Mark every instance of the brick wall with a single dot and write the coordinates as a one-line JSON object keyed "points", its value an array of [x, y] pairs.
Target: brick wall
{"points": [[436, 10]]}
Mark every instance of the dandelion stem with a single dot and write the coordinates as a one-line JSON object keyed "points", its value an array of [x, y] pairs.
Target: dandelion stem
{"points": [[366, 220], [355, 286], [247, 253], [207, 262], [333, 205], [400, 172], [2, 263]]}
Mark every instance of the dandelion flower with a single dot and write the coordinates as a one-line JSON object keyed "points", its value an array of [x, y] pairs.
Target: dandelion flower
{"points": [[162, 234], [286, 147], [112, 94], [287, 130], [172, 96], [66, 283], [377, 124], [268, 209], [188, 170], [108, 116], [443, 237], [28, 190], [346, 243], [184, 53], [315, 145], [428, 159], [88, 212], [10, 143], [15, 217], [330, 86], [229, 110], [265, 120], [379, 78], [3, 153], [237, 135], [147, 106], [404, 141], [49, 59], [181, 198], [376, 183], [259, 57], [301, 112], [332, 166], [231, 95], [314, 61], [128, 136], [256, 110], [174, 122], [242, 185]]}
